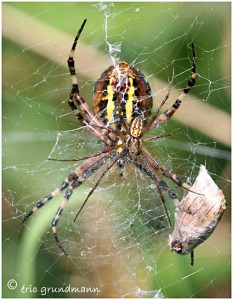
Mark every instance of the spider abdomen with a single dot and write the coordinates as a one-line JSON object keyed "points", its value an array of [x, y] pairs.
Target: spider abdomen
{"points": [[124, 85]]}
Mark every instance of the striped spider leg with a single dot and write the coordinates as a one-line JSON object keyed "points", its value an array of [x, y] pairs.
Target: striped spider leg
{"points": [[155, 121], [76, 99], [73, 181]]}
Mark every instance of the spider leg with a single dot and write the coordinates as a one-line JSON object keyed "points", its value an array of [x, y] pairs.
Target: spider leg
{"points": [[76, 183], [98, 181], [104, 150], [172, 195], [165, 172], [50, 196], [157, 182], [153, 118], [149, 165], [74, 180], [169, 112], [75, 99], [145, 165], [158, 137], [80, 174]]}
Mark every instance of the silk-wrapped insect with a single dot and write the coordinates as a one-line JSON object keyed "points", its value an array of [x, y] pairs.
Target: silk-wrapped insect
{"points": [[197, 215]]}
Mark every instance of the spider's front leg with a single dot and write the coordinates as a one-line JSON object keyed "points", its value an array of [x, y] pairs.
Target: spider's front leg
{"points": [[156, 121], [76, 100]]}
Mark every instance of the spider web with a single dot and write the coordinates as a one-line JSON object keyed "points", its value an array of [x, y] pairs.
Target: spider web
{"points": [[118, 246]]}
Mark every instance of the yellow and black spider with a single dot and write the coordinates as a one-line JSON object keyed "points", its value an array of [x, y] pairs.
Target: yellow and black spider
{"points": [[121, 116]]}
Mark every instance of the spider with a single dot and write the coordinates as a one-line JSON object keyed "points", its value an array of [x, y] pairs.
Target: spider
{"points": [[122, 104]]}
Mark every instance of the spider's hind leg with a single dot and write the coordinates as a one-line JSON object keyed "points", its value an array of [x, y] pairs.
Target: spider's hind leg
{"points": [[49, 197], [55, 220], [80, 174]]}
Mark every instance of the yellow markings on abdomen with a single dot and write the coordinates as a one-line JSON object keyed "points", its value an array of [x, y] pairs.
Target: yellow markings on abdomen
{"points": [[129, 102], [109, 97]]}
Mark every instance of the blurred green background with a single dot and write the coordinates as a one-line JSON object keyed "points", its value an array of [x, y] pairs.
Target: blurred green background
{"points": [[156, 38]]}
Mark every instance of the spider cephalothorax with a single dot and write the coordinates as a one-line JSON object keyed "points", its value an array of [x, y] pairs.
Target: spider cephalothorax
{"points": [[121, 117]]}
